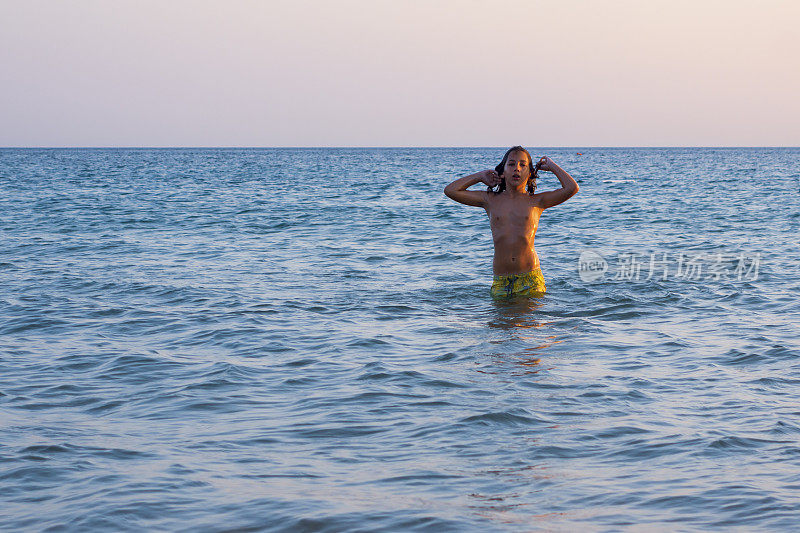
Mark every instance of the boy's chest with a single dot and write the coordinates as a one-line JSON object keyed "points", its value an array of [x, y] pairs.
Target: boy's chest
{"points": [[513, 217]]}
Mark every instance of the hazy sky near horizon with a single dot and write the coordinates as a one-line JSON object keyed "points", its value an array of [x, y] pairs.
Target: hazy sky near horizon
{"points": [[399, 73]]}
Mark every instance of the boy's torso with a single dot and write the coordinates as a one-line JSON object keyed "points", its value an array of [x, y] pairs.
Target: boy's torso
{"points": [[514, 220]]}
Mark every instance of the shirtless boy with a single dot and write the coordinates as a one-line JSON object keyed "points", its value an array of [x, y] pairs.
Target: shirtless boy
{"points": [[514, 210]]}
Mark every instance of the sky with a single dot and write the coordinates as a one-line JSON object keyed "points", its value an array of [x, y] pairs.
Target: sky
{"points": [[399, 73]]}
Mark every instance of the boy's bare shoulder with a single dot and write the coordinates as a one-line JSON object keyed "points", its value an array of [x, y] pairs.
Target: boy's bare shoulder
{"points": [[536, 199]]}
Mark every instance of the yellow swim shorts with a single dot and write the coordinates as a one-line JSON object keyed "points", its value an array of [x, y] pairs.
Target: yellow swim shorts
{"points": [[525, 284]]}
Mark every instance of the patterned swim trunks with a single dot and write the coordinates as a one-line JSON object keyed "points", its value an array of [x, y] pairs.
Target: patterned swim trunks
{"points": [[526, 284]]}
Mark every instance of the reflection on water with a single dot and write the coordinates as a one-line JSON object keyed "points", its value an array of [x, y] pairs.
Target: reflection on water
{"points": [[515, 313], [521, 320], [528, 481]]}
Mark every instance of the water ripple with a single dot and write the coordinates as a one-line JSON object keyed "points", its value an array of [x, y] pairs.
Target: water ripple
{"points": [[191, 340]]}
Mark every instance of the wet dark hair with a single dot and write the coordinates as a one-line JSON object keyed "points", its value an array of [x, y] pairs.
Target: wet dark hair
{"points": [[501, 167]]}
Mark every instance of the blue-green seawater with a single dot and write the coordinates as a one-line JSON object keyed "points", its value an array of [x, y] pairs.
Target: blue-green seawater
{"points": [[304, 340]]}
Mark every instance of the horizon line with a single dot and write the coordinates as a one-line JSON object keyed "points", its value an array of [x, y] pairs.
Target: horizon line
{"points": [[249, 147]]}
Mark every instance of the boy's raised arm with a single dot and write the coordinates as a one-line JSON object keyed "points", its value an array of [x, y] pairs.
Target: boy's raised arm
{"points": [[569, 187], [458, 189]]}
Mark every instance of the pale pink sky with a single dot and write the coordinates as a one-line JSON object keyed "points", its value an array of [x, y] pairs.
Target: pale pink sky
{"points": [[399, 73]]}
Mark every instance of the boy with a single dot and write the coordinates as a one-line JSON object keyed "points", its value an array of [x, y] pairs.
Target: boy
{"points": [[514, 210]]}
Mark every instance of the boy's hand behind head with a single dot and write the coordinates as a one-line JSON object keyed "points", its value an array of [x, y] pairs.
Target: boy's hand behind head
{"points": [[490, 177], [546, 164]]}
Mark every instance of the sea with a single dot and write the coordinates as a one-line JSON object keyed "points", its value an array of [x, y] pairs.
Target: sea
{"points": [[303, 339]]}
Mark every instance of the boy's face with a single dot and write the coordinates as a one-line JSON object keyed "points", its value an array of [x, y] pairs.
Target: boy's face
{"points": [[517, 170]]}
